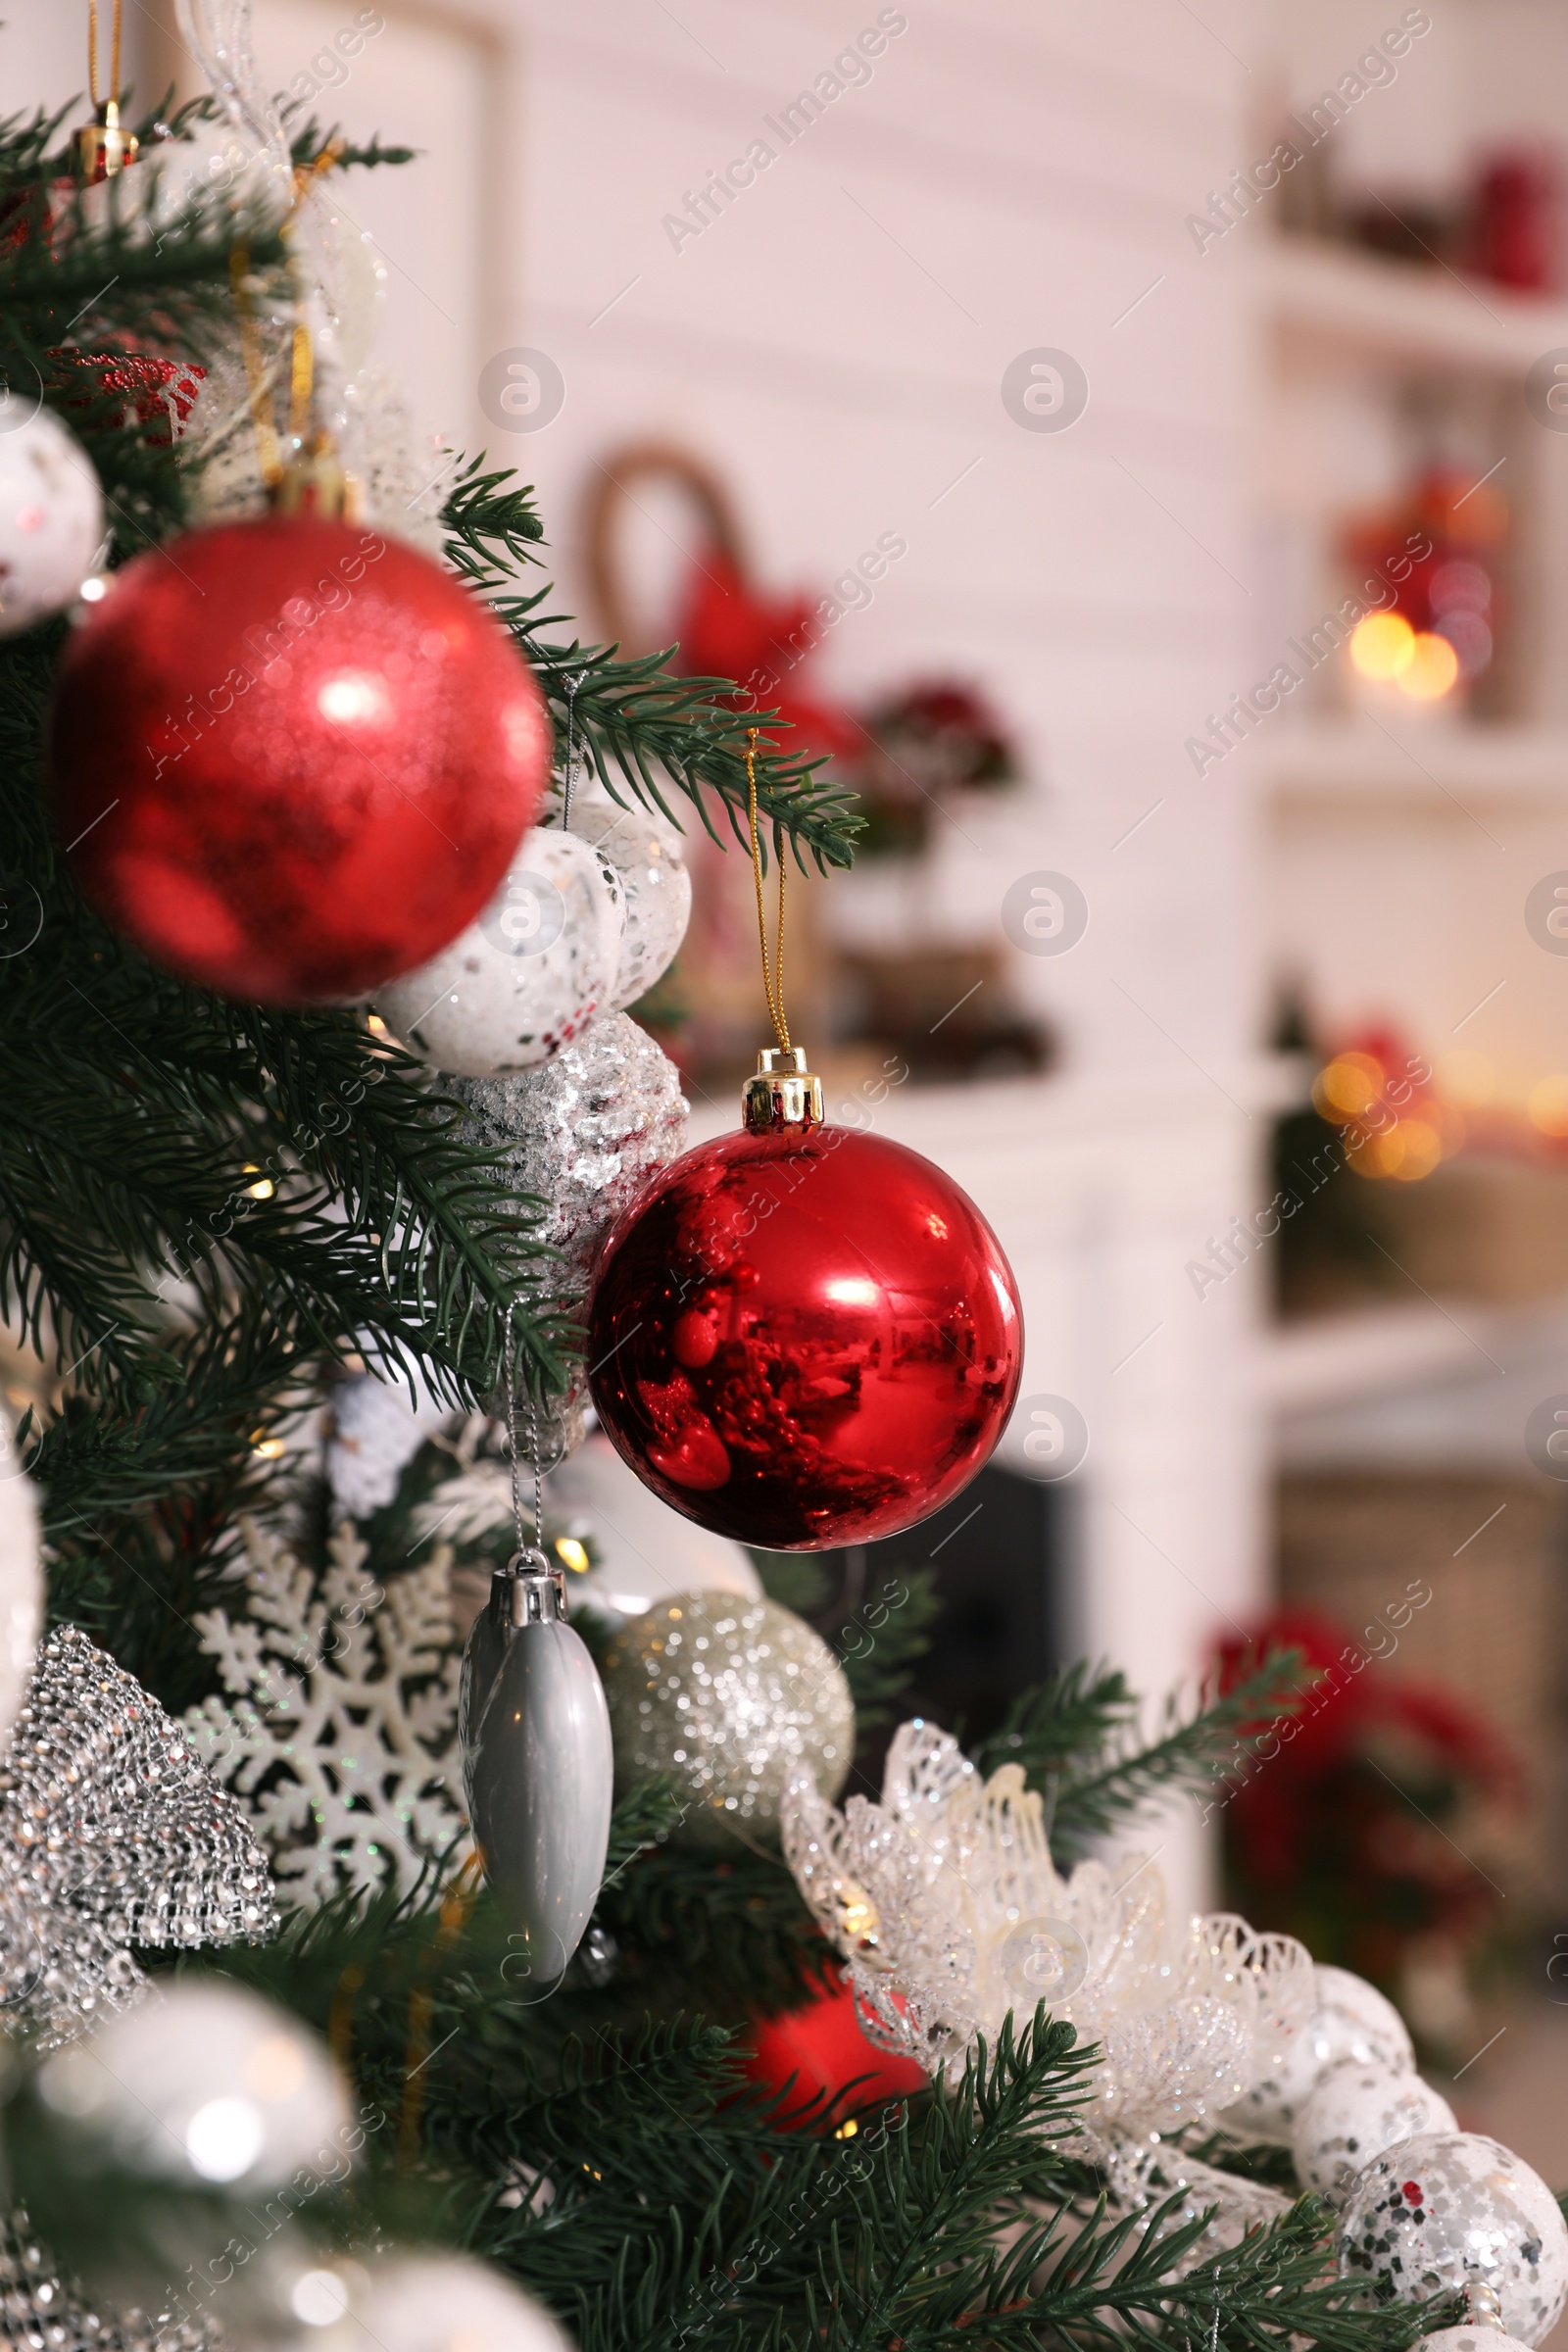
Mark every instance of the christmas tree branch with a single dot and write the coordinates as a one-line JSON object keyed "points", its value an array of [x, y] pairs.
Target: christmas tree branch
{"points": [[637, 726], [1075, 1737]]}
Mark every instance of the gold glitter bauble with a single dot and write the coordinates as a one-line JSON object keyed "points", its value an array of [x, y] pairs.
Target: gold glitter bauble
{"points": [[728, 1696]]}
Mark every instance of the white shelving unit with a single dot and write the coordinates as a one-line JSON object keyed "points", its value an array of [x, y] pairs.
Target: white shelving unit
{"points": [[1324, 760], [1408, 309]]}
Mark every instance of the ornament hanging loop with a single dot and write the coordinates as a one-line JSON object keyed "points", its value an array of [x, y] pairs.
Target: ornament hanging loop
{"points": [[528, 1591], [784, 1093]]}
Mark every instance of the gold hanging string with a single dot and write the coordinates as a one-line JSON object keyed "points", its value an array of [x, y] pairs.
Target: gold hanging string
{"points": [[772, 973], [250, 343], [302, 364], [301, 376], [92, 52], [455, 1905]]}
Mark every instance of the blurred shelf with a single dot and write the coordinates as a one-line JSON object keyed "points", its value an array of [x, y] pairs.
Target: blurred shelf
{"points": [[1331, 1360], [1335, 759], [1408, 309], [1438, 1384]]}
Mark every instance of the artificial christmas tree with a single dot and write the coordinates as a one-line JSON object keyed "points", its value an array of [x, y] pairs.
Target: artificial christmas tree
{"points": [[206, 1206]]}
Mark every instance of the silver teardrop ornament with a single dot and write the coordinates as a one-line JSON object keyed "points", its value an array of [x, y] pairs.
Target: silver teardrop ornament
{"points": [[537, 1763]]}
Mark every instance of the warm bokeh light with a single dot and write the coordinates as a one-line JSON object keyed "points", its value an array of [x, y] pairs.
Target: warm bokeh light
{"points": [[1383, 646], [1433, 668], [1420, 1149], [1548, 1105], [574, 1553], [1466, 1078], [1350, 1085]]}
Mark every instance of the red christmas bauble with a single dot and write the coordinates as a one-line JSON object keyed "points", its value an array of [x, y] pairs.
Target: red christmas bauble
{"points": [[292, 759], [822, 2045], [805, 1337]]}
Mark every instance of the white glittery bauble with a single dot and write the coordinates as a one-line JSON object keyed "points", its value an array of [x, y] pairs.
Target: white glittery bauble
{"points": [[581, 1134], [731, 1698], [529, 973], [205, 2085], [642, 1550], [1353, 2020], [434, 2303], [51, 515], [649, 856], [21, 1577], [1450, 2210], [1469, 2340], [1354, 2113]]}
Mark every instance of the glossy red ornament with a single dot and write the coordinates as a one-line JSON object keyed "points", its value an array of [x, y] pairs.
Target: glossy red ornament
{"points": [[291, 758], [805, 1337], [824, 2047]]}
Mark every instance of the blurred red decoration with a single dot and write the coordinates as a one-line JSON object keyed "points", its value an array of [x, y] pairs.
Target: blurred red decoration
{"points": [[1336, 1830], [822, 2045], [729, 629], [292, 759], [1515, 234], [805, 1339], [1454, 588], [921, 748]]}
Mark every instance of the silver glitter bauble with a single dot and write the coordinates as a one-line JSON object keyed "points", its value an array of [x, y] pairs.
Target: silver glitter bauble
{"points": [[581, 1133], [112, 1833], [530, 972], [1354, 2022], [649, 853], [1450, 2210], [731, 1698], [1354, 2113]]}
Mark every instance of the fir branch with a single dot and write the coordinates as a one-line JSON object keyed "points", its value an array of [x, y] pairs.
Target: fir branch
{"points": [[638, 727], [1077, 1742]]}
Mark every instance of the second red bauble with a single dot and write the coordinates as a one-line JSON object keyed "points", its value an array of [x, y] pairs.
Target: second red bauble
{"points": [[816, 2052], [291, 758], [804, 1339]]}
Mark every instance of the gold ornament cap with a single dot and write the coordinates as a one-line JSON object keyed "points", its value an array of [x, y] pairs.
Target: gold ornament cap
{"points": [[102, 148], [315, 482], [783, 1093]]}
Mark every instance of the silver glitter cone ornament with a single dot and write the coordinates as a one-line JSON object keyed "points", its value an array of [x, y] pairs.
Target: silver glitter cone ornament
{"points": [[112, 1833], [581, 1133], [731, 1698], [1452, 2210], [537, 1764]]}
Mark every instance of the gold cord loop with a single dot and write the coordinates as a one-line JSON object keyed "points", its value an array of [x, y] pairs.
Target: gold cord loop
{"points": [[772, 972]]}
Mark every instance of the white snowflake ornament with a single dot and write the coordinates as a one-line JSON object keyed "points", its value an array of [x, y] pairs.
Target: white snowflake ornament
{"points": [[340, 1733]]}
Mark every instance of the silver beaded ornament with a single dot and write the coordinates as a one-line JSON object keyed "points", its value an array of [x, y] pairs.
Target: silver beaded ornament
{"points": [[39, 2311], [112, 1833], [731, 1698], [1454, 2210]]}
